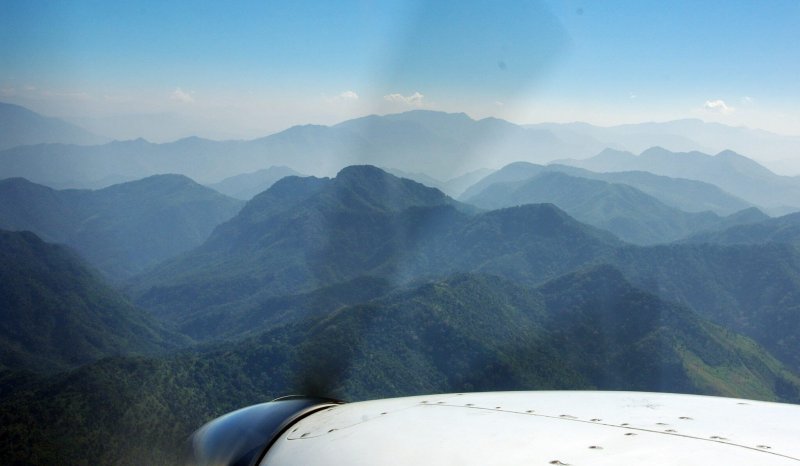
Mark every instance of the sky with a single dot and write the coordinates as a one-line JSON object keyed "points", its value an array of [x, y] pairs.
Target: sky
{"points": [[247, 69]]}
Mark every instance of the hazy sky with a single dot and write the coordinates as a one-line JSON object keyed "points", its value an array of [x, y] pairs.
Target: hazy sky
{"points": [[246, 69]]}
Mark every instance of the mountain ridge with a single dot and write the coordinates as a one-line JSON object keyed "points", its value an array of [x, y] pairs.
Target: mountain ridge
{"points": [[58, 314], [20, 126], [629, 213], [734, 173], [121, 229]]}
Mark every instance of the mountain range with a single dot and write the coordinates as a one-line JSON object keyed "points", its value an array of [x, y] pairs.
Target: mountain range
{"points": [[166, 302], [774, 150], [591, 329], [440, 145], [20, 126], [304, 233], [732, 172], [630, 214], [122, 229], [683, 194], [307, 233]]}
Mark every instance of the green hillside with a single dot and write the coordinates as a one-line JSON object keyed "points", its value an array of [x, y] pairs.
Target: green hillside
{"points": [[468, 332], [58, 314]]}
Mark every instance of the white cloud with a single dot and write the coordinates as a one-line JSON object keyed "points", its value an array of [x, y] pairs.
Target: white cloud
{"points": [[717, 106], [348, 95], [179, 95], [345, 96], [413, 100], [748, 100]]}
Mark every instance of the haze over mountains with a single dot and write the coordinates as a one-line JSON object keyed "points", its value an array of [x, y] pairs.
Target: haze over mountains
{"points": [[732, 172], [20, 126], [687, 195], [247, 185], [440, 145], [775, 151], [621, 209], [122, 229], [181, 301]]}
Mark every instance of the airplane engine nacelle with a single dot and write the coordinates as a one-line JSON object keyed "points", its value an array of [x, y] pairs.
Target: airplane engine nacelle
{"points": [[511, 428]]}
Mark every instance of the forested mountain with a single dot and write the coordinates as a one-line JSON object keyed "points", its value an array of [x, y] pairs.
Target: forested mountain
{"points": [[20, 126], [630, 214], [785, 229], [304, 233], [683, 194], [124, 228], [207, 206], [752, 289], [590, 329], [247, 185], [730, 171], [56, 313]]}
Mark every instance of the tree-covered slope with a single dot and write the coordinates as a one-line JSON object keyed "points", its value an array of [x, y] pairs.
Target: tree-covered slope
{"points": [[751, 289], [307, 233], [468, 332], [304, 233], [56, 313], [785, 229]]}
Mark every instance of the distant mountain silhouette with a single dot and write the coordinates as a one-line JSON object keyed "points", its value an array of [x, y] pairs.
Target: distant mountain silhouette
{"points": [[247, 185], [441, 145], [684, 135], [621, 209], [20, 126], [453, 187], [683, 194], [732, 172], [58, 314], [124, 228]]}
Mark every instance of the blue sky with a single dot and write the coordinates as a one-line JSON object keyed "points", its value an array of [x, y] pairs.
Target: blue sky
{"points": [[257, 67]]}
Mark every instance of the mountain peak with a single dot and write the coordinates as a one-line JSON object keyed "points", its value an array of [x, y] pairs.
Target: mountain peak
{"points": [[431, 114], [164, 181], [655, 151], [367, 186], [353, 171], [727, 153]]}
